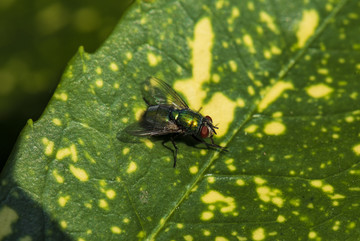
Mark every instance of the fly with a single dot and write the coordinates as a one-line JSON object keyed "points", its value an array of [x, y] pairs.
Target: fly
{"points": [[168, 114]]}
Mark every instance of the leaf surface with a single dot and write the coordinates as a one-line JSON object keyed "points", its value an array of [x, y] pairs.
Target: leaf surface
{"points": [[281, 79]]}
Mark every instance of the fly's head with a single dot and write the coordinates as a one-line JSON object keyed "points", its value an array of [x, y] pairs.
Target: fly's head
{"points": [[207, 128]]}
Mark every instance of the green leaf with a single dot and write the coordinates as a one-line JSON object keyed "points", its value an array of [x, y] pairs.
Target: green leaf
{"points": [[281, 79]]}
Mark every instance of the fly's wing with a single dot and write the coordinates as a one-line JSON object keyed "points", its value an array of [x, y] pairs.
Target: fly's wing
{"points": [[154, 122], [146, 129], [157, 92]]}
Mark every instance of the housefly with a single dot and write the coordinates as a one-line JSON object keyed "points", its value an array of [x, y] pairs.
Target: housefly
{"points": [[168, 114]]}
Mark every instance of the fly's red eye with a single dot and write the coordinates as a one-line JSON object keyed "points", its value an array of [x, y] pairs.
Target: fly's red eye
{"points": [[209, 118], [204, 132]]}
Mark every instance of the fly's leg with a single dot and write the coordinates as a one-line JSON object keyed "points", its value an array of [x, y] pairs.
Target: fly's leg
{"points": [[172, 139], [176, 149], [208, 144]]}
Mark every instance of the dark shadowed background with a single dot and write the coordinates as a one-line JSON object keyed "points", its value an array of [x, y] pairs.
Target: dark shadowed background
{"points": [[37, 40]]}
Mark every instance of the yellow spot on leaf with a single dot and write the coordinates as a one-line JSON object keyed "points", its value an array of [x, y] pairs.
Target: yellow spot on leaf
{"points": [[258, 234], [312, 234], [240, 102], [319, 90], [8, 217], [259, 180], [180, 225], [266, 18], [275, 50], [250, 6], [115, 229], [64, 152], [233, 65], [323, 71], [240, 182], [267, 54], [235, 12], [274, 128], [356, 149], [63, 224], [220, 238], [126, 150], [103, 204], [328, 188], [307, 26], [99, 83], [329, 7], [49, 146], [277, 114], [338, 196], [128, 55], [249, 43], [88, 205], [274, 93], [79, 173], [98, 70], [143, 20], [219, 4], [63, 200], [210, 179], [188, 238], [194, 169], [58, 178], [110, 194], [349, 119], [251, 76], [280, 219], [207, 215], [148, 143], [207, 232], [201, 63], [213, 197], [132, 167], [57, 121], [231, 167], [225, 44], [114, 67], [316, 183], [61, 96], [251, 90], [273, 195], [153, 59], [336, 226], [215, 109], [216, 78]]}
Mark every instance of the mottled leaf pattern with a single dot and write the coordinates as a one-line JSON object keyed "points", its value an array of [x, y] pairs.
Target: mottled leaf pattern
{"points": [[281, 79]]}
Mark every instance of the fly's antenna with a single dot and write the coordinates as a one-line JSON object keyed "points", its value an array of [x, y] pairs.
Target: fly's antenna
{"points": [[199, 109]]}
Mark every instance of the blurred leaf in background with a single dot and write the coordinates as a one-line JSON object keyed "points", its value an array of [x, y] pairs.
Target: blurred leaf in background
{"points": [[37, 40]]}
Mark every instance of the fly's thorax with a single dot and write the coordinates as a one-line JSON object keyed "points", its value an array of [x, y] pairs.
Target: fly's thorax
{"points": [[188, 120]]}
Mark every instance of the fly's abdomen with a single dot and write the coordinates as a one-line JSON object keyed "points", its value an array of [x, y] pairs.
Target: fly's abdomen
{"points": [[159, 120], [188, 120], [157, 115]]}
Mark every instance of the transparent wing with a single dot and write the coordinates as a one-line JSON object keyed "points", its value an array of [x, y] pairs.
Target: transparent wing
{"points": [[145, 129], [157, 92]]}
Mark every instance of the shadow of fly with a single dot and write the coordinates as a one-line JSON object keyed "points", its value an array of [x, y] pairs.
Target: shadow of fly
{"points": [[168, 114]]}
